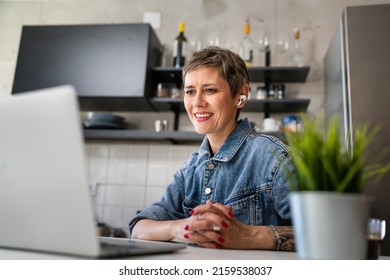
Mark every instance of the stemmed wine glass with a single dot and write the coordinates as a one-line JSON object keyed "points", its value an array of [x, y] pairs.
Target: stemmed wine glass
{"points": [[282, 48]]}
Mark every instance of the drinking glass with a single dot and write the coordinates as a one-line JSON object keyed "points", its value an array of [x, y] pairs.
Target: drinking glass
{"points": [[282, 47], [376, 230]]}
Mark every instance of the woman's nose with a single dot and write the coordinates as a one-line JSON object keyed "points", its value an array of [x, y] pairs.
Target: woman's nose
{"points": [[199, 100]]}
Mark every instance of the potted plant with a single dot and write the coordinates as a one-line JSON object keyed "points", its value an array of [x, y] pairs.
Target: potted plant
{"points": [[329, 206]]}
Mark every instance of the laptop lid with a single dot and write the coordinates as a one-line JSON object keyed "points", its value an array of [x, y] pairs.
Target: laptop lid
{"points": [[44, 196], [45, 204]]}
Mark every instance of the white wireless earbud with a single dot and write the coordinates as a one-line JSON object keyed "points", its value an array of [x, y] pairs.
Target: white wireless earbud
{"points": [[242, 99]]}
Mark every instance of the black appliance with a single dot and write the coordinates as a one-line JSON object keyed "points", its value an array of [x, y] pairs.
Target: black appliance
{"points": [[110, 65]]}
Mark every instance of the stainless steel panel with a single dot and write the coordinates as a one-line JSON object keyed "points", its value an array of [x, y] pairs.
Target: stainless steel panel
{"points": [[365, 89]]}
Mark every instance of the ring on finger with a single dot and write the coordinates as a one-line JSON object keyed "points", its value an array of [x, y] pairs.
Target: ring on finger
{"points": [[216, 227]]}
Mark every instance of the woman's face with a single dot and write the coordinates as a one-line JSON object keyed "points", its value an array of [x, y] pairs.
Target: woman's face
{"points": [[209, 103]]}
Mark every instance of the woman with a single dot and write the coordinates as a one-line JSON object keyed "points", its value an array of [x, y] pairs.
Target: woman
{"points": [[233, 193]]}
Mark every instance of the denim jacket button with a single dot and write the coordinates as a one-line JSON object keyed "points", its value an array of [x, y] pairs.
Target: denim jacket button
{"points": [[208, 191], [210, 166]]}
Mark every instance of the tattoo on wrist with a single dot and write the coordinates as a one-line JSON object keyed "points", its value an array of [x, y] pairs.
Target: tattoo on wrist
{"points": [[278, 240], [284, 238]]}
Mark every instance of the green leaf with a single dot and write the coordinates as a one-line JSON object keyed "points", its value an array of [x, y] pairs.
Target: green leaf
{"points": [[322, 162]]}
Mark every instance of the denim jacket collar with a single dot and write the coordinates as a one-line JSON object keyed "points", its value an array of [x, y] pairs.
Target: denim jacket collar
{"points": [[232, 143]]}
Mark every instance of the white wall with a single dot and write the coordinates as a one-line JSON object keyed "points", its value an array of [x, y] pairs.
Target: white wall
{"points": [[131, 175]]}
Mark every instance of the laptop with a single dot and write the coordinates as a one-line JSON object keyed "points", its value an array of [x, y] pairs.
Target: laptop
{"points": [[45, 202]]}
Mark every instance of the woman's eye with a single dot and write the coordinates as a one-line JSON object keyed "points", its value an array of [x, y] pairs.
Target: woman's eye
{"points": [[190, 92], [209, 90]]}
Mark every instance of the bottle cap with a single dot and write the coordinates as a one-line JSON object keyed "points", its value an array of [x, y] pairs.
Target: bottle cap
{"points": [[247, 29], [181, 26], [296, 33]]}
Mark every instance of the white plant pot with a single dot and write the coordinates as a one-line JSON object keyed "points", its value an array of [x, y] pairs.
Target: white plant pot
{"points": [[330, 225]]}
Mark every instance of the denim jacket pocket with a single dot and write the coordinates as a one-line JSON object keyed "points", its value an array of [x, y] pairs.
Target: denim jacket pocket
{"points": [[247, 206]]}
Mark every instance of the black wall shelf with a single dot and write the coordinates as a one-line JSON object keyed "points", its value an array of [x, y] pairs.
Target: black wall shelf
{"points": [[278, 74], [175, 137], [257, 74], [268, 106], [287, 105]]}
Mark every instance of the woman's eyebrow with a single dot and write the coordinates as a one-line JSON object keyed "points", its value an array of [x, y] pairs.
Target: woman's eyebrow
{"points": [[204, 85]]}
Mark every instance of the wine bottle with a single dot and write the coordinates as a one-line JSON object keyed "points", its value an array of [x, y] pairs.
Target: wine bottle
{"points": [[179, 47], [246, 45], [267, 55], [297, 58]]}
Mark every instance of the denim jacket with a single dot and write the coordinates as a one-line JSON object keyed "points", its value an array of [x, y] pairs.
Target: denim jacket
{"points": [[248, 172]]}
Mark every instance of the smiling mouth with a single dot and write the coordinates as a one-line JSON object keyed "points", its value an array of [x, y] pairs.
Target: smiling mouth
{"points": [[202, 115]]}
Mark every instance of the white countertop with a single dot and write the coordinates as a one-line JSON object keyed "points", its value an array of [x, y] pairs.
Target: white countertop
{"points": [[189, 253]]}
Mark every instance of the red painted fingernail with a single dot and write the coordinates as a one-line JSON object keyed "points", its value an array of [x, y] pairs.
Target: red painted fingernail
{"points": [[221, 240], [218, 246], [187, 235], [186, 227], [224, 224], [231, 215], [192, 212]]}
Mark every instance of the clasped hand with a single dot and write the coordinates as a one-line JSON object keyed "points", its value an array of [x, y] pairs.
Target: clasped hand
{"points": [[212, 225]]}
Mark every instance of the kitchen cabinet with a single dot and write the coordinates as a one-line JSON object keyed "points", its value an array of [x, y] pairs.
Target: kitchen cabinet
{"points": [[170, 75]]}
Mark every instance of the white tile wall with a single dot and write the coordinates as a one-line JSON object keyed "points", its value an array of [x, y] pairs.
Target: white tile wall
{"points": [[130, 177]]}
